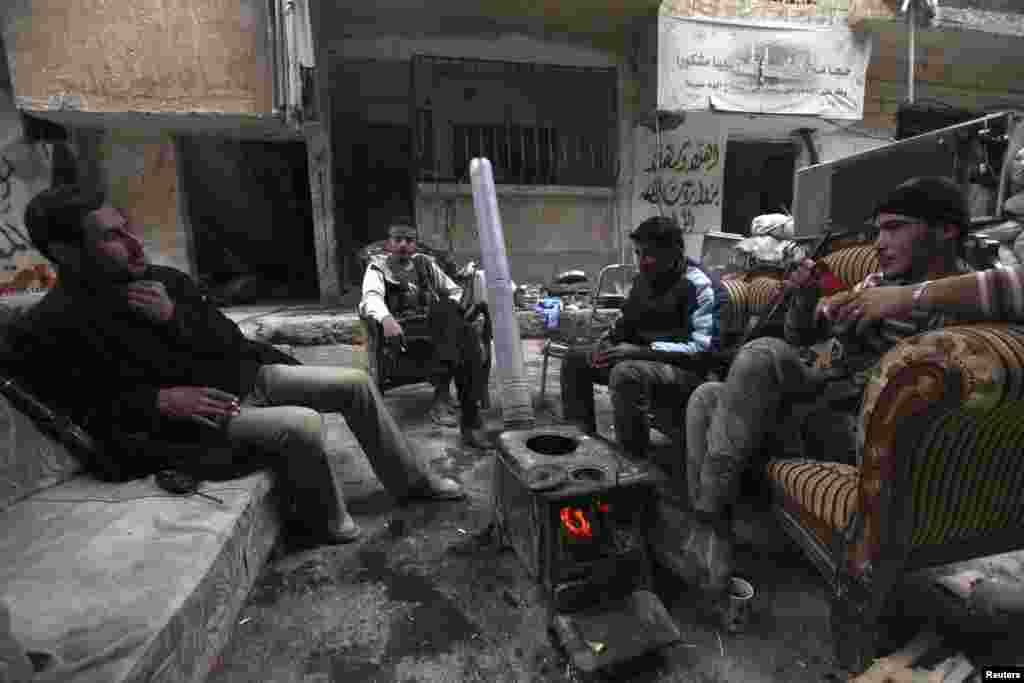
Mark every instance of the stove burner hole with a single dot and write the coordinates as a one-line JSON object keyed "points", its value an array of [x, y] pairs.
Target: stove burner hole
{"points": [[588, 474], [551, 444]]}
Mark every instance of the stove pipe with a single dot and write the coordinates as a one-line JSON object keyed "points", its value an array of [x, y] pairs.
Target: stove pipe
{"points": [[516, 404]]}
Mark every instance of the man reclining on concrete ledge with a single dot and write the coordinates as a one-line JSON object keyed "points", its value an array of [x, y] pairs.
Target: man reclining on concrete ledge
{"points": [[652, 357], [127, 348]]}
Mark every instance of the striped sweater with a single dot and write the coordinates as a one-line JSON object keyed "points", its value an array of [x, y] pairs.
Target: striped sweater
{"points": [[1002, 293]]}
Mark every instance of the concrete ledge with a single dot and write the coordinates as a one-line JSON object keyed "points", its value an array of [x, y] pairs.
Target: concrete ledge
{"points": [[305, 327], [317, 326], [123, 583]]}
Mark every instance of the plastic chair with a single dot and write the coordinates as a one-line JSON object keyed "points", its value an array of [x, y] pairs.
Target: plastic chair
{"points": [[608, 302]]}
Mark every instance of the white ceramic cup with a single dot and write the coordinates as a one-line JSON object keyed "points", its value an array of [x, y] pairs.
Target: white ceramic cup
{"points": [[736, 608]]}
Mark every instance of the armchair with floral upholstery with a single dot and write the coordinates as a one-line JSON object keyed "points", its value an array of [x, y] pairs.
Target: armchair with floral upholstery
{"points": [[939, 478]]}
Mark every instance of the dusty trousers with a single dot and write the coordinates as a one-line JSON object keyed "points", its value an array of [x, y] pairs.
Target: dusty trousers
{"points": [[447, 347], [636, 386], [459, 354], [726, 422], [281, 420]]}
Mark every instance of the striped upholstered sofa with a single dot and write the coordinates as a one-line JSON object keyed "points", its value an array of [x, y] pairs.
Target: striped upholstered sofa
{"points": [[940, 477]]}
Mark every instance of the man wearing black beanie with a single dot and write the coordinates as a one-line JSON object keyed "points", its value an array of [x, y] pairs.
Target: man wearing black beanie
{"points": [[921, 226]]}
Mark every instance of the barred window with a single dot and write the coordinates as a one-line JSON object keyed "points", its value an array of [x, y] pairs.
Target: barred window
{"points": [[538, 124]]}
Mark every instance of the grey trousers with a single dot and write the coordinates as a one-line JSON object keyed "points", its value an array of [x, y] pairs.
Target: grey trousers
{"points": [[726, 422], [282, 418], [636, 387]]}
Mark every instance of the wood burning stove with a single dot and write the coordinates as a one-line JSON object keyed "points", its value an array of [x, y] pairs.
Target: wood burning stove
{"points": [[575, 512]]}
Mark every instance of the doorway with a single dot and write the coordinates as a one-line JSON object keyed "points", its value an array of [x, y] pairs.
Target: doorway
{"points": [[758, 180], [378, 186], [251, 218]]}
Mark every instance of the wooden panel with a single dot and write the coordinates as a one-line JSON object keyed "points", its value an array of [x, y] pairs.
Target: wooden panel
{"points": [[786, 10], [863, 10], [895, 92], [321, 188], [141, 55], [880, 121], [967, 59]]}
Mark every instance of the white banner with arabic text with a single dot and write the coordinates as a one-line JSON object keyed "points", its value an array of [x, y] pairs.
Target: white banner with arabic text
{"points": [[761, 69]]}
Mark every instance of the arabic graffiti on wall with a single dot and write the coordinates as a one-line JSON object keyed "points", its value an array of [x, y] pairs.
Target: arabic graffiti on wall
{"points": [[731, 66], [21, 266], [684, 176]]}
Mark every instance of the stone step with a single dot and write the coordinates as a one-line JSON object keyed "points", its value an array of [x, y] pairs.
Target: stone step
{"points": [[312, 325]]}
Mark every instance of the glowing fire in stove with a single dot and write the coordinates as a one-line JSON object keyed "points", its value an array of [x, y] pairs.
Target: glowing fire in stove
{"points": [[576, 522]]}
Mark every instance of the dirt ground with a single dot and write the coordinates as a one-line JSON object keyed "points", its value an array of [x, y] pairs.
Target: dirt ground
{"points": [[427, 597]]}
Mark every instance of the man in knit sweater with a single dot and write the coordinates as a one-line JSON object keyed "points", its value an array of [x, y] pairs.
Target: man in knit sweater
{"points": [[652, 357], [922, 224]]}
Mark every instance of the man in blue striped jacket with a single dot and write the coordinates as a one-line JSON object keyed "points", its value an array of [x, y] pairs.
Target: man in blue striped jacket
{"points": [[652, 357]]}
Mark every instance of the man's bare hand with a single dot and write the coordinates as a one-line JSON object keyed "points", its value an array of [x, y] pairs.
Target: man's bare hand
{"points": [[805, 276], [392, 330], [201, 404], [868, 306], [621, 352], [150, 299]]}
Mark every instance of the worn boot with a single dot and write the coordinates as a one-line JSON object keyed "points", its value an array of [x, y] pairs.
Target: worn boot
{"points": [[442, 412], [709, 549], [696, 547], [303, 535], [471, 426]]}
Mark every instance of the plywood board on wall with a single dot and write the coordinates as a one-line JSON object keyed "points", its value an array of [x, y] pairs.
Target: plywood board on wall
{"points": [[775, 10], [142, 178], [209, 56]]}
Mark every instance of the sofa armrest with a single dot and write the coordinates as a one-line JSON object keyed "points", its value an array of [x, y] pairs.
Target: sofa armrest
{"points": [[942, 428], [747, 298]]}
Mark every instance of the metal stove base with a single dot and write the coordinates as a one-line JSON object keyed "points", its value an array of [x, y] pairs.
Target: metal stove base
{"points": [[615, 631]]}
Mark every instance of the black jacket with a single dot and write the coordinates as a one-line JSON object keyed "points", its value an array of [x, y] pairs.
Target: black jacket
{"points": [[657, 310], [89, 356]]}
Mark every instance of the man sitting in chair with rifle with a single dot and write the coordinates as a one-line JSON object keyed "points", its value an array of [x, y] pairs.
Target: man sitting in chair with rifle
{"points": [[655, 355], [921, 227], [403, 284]]}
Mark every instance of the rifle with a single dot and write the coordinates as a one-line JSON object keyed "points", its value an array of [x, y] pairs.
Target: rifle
{"points": [[782, 296]]}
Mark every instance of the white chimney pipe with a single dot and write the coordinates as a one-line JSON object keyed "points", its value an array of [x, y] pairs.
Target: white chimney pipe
{"points": [[516, 403]]}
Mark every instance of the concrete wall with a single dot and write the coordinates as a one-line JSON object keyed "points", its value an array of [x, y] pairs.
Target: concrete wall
{"points": [[140, 55], [547, 229], [967, 69]]}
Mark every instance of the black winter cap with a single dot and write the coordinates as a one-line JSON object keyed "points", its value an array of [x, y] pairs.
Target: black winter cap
{"points": [[659, 229], [931, 198]]}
